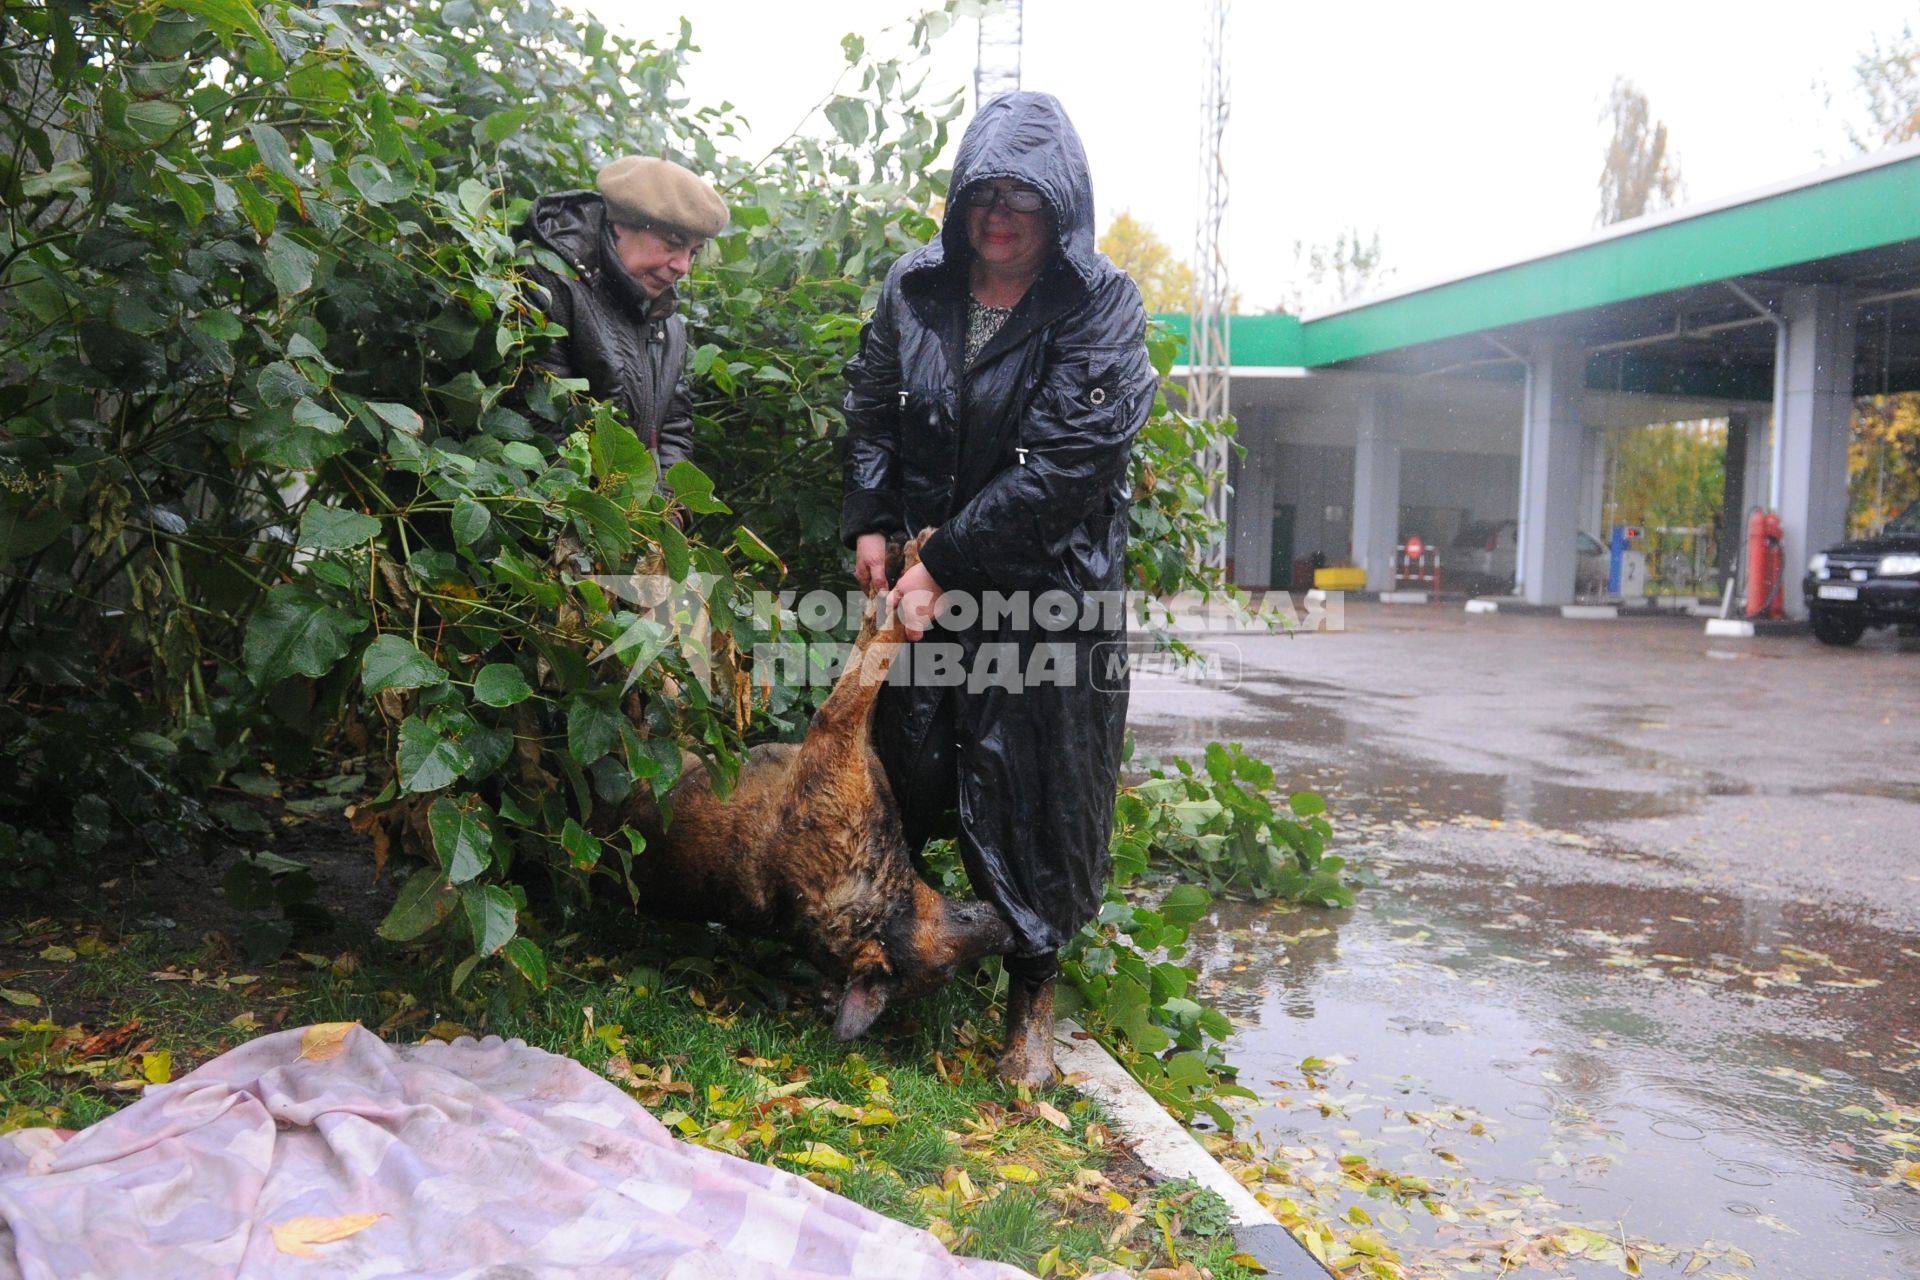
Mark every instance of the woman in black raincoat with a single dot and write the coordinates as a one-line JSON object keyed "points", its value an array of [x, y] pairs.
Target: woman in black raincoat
{"points": [[996, 396]]}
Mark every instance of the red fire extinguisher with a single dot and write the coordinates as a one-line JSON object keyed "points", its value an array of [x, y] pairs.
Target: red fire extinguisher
{"points": [[1764, 542]]}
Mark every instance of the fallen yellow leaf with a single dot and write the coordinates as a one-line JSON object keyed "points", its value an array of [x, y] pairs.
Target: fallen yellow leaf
{"points": [[1016, 1173], [324, 1041], [157, 1067], [25, 999], [819, 1155], [59, 954], [297, 1236]]}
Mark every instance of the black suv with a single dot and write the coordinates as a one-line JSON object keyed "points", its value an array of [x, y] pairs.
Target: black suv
{"points": [[1874, 582]]}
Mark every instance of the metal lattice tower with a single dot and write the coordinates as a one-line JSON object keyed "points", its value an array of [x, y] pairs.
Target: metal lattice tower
{"points": [[996, 64], [1209, 358]]}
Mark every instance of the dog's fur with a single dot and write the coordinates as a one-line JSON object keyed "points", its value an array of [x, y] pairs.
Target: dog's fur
{"points": [[809, 846]]}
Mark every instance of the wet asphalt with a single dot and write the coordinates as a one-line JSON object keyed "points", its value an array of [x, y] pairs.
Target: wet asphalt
{"points": [[1637, 951]]}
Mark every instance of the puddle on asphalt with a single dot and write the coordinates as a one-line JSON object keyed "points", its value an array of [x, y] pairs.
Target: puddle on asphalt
{"points": [[1656, 1066], [1725, 1088]]}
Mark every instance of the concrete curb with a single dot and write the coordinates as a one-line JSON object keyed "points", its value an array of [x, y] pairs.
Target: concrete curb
{"points": [[1170, 1152]]}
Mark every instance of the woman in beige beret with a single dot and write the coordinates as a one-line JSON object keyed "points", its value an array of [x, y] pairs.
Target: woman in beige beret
{"points": [[607, 266]]}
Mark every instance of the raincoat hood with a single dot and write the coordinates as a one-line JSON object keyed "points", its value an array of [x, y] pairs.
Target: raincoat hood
{"points": [[1027, 137]]}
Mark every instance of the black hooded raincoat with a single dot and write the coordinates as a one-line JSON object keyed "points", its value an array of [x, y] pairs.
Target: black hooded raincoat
{"points": [[1021, 461], [632, 350]]}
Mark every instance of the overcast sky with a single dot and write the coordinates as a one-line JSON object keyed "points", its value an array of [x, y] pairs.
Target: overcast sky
{"points": [[1467, 134]]}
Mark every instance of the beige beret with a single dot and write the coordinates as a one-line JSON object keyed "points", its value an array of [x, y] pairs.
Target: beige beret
{"points": [[646, 191]]}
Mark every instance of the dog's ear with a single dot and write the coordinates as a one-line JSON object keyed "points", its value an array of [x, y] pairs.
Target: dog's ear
{"points": [[865, 998]]}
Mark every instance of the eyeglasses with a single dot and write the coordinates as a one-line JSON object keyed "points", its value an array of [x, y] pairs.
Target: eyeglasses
{"points": [[1017, 199]]}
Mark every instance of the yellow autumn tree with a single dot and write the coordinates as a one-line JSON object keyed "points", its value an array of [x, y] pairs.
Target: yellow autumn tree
{"points": [[1883, 461], [1166, 282]]}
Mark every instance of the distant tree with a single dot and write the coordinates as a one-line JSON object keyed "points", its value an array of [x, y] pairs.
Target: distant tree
{"points": [[1887, 78], [1166, 282], [1640, 173], [1883, 461], [1326, 275], [1670, 478]]}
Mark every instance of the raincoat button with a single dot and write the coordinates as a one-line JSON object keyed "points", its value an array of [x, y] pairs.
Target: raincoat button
{"points": [[1098, 395]]}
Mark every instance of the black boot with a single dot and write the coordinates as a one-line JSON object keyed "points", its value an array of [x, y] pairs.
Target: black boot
{"points": [[1028, 1056]]}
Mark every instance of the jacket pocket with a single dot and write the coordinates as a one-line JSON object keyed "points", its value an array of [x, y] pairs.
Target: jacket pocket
{"points": [[1096, 386]]}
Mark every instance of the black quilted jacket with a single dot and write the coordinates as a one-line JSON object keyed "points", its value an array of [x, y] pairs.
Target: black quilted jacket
{"points": [[631, 351]]}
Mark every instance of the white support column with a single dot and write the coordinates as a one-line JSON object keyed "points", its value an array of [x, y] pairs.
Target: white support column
{"points": [[1550, 478], [1376, 487], [1815, 422], [1593, 481]]}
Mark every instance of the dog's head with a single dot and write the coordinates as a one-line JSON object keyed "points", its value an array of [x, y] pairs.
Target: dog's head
{"points": [[919, 950]]}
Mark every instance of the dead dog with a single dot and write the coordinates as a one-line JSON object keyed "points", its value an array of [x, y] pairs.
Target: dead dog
{"points": [[809, 847]]}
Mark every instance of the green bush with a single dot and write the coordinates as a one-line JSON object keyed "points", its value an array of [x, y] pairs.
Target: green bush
{"points": [[276, 478]]}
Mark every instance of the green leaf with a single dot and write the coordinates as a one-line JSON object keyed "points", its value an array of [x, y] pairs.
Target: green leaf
{"points": [[583, 848], [848, 116], [674, 551], [290, 265], [397, 416], [155, 119], [694, 489], [393, 662], [373, 180], [262, 208], [233, 15], [500, 684], [490, 915], [282, 383], [335, 529], [525, 956], [424, 901], [461, 838], [470, 520], [1305, 804], [502, 125], [474, 196], [68, 175], [593, 728], [316, 417], [755, 548], [274, 152], [428, 761], [616, 453], [1185, 904], [291, 633]]}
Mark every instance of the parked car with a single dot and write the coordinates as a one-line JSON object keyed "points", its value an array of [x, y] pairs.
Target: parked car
{"points": [[1484, 553], [1870, 582]]}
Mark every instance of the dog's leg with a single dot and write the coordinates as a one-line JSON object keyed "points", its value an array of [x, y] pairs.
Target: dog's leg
{"points": [[858, 688], [1028, 1057]]}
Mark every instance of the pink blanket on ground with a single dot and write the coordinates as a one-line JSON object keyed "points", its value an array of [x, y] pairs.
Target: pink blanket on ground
{"points": [[324, 1151]]}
